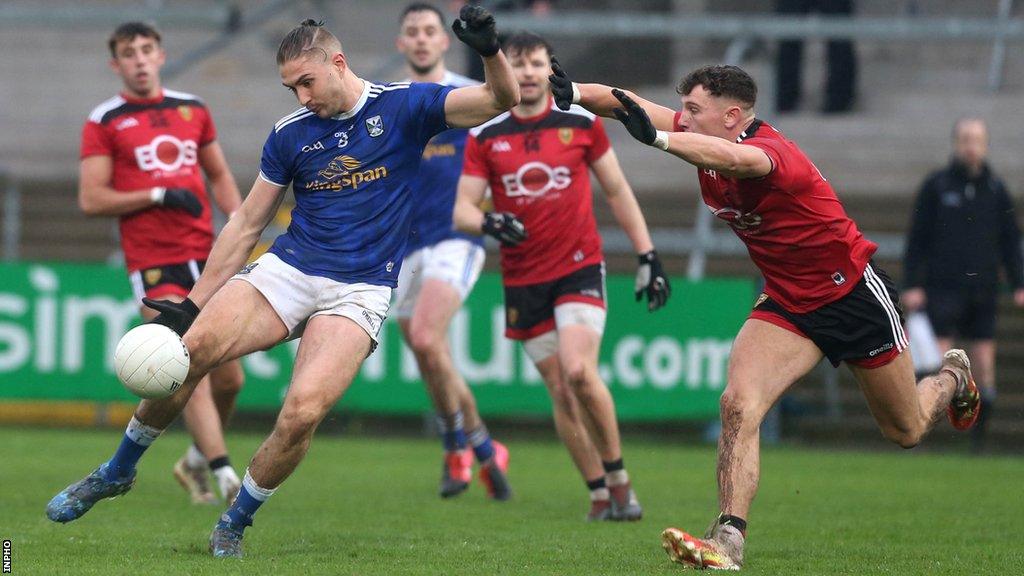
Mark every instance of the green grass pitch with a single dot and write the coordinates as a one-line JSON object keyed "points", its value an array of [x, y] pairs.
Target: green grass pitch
{"points": [[368, 505]]}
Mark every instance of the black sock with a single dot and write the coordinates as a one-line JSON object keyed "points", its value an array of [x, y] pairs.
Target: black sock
{"points": [[613, 466], [734, 521], [218, 463], [596, 484]]}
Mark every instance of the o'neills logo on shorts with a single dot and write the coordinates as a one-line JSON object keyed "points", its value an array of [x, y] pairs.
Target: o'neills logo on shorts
{"points": [[888, 346], [371, 321]]}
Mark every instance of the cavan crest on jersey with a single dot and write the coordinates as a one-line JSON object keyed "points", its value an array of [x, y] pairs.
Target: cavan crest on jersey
{"points": [[352, 175]]}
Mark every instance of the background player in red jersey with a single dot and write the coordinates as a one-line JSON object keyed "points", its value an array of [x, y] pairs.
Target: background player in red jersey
{"points": [[536, 159], [822, 294], [140, 160]]}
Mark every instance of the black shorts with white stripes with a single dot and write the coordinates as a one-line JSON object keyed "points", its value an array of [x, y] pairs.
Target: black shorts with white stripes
{"points": [[864, 328]]}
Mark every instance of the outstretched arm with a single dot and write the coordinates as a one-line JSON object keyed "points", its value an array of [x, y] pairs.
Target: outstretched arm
{"points": [[718, 154], [654, 125], [598, 98], [473, 105]]}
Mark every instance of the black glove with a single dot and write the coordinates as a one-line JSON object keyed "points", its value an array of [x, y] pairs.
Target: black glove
{"points": [[635, 118], [478, 31], [505, 227], [179, 199], [651, 279], [177, 316], [561, 86]]}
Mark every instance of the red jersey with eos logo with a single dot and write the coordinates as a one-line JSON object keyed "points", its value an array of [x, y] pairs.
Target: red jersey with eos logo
{"points": [[796, 230], [538, 169], [155, 142]]}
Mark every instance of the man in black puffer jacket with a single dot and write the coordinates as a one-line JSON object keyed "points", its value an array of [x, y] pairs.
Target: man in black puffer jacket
{"points": [[962, 229]]}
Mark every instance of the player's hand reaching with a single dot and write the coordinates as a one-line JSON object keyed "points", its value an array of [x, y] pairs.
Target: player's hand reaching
{"points": [[177, 316], [178, 199], [475, 28], [634, 118], [651, 280], [565, 91], [504, 227]]}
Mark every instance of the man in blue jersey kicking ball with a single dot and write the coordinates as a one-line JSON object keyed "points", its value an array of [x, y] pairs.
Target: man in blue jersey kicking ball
{"points": [[350, 154], [441, 266]]}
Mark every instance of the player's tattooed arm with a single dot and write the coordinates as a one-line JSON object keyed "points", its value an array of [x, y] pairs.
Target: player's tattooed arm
{"points": [[598, 98]]}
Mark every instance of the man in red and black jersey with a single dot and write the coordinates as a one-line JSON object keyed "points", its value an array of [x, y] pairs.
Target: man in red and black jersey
{"points": [[823, 296], [141, 155], [537, 161]]}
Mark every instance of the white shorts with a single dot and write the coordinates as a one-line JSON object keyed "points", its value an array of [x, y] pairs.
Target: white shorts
{"points": [[457, 262], [297, 297], [571, 313]]}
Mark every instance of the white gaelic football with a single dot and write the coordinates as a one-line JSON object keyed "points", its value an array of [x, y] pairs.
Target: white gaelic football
{"points": [[151, 361]]}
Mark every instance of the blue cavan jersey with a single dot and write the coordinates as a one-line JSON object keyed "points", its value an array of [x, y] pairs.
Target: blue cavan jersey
{"points": [[352, 176], [436, 183]]}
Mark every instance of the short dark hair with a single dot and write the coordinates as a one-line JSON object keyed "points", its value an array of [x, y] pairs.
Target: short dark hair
{"points": [[421, 7], [307, 36], [722, 81], [521, 42], [129, 31]]}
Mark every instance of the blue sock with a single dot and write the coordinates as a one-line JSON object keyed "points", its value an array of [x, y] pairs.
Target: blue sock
{"points": [[248, 501], [483, 448], [137, 438], [453, 436]]}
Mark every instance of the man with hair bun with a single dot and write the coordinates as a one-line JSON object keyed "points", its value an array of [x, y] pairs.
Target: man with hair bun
{"points": [[350, 154]]}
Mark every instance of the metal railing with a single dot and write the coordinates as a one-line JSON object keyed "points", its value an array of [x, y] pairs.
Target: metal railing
{"points": [[206, 14], [769, 27]]}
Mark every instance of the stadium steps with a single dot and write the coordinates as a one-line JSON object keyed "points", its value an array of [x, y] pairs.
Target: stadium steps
{"points": [[53, 227]]}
